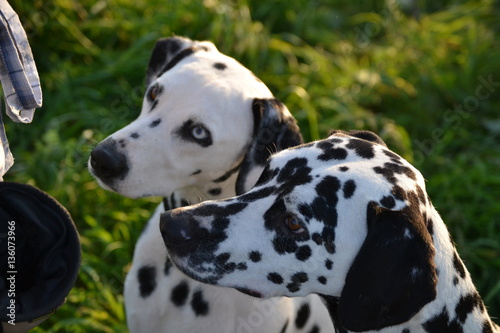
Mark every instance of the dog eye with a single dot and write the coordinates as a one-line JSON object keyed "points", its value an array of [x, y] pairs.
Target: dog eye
{"points": [[293, 223], [153, 92], [199, 132]]}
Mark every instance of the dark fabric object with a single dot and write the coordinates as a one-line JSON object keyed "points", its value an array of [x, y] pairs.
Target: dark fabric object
{"points": [[47, 252]]}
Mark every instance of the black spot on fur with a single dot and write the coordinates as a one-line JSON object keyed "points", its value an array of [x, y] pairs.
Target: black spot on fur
{"points": [[388, 202], [275, 278], [390, 169], [255, 256], [466, 305], [459, 266], [258, 194], [328, 264], [317, 238], [168, 266], [267, 174], [154, 104], [135, 135], [241, 266], [294, 173], [197, 172], [322, 280], [198, 304], [122, 143], [283, 330], [406, 330], [215, 191], [344, 168], [430, 226], [315, 329], [146, 276], [296, 281], [362, 148], [220, 66], [155, 123], [303, 253], [455, 280], [215, 210], [180, 293], [349, 188], [302, 315], [487, 327], [330, 152], [441, 323]]}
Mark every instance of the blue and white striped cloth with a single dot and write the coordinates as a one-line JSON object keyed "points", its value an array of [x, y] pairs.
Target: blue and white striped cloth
{"points": [[19, 78]]}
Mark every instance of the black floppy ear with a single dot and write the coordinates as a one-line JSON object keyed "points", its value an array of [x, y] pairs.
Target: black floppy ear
{"points": [[165, 50], [365, 135], [274, 129], [393, 275]]}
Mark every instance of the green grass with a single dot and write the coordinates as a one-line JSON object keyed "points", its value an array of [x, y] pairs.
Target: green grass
{"points": [[347, 64]]}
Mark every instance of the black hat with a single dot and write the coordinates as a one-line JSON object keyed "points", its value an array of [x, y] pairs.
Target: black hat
{"points": [[39, 255]]}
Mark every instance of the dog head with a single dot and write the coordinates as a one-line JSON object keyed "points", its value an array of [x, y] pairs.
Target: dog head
{"points": [[343, 217], [206, 123]]}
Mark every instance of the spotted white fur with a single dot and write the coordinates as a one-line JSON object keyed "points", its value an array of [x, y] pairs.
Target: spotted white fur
{"points": [[345, 218]]}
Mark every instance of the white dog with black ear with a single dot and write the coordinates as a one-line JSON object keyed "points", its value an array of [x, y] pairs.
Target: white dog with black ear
{"points": [[206, 128], [345, 218]]}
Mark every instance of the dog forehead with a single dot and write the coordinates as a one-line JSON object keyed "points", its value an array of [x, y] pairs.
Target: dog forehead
{"points": [[216, 73], [356, 163]]}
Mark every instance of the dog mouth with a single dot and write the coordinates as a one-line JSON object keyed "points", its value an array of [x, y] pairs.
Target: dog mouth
{"points": [[249, 292]]}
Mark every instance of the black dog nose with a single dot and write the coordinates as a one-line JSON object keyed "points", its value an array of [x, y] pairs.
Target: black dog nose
{"points": [[108, 162], [178, 230]]}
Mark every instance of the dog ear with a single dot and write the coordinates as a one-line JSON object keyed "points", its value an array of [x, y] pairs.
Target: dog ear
{"points": [[169, 51], [393, 276], [164, 51], [275, 129], [365, 135]]}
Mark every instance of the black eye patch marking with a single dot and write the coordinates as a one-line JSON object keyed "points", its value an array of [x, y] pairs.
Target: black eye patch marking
{"points": [[186, 133], [330, 152], [220, 66], [155, 123], [362, 148]]}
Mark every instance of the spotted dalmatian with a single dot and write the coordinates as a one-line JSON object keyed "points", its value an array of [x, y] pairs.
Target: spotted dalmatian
{"points": [[206, 128], [344, 218]]}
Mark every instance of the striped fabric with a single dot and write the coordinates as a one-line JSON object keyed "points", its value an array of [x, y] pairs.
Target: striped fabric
{"points": [[18, 75]]}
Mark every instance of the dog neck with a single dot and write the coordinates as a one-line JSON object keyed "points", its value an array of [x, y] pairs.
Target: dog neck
{"points": [[457, 306], [223, 187]]}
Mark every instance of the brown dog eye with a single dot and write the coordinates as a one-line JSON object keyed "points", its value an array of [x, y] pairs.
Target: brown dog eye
{"points": [[153, 93], [293, 223]]}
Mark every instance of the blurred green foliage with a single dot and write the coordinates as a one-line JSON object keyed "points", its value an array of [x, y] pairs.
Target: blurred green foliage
{"points": [[416, 74]]}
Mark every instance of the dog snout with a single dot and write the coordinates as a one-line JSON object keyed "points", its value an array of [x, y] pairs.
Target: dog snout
{"points": [[178, 230], [107, 162]]}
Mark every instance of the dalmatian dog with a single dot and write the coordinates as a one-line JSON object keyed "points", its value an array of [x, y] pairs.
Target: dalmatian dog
{"points": [[344, 218], [206, 128]]}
